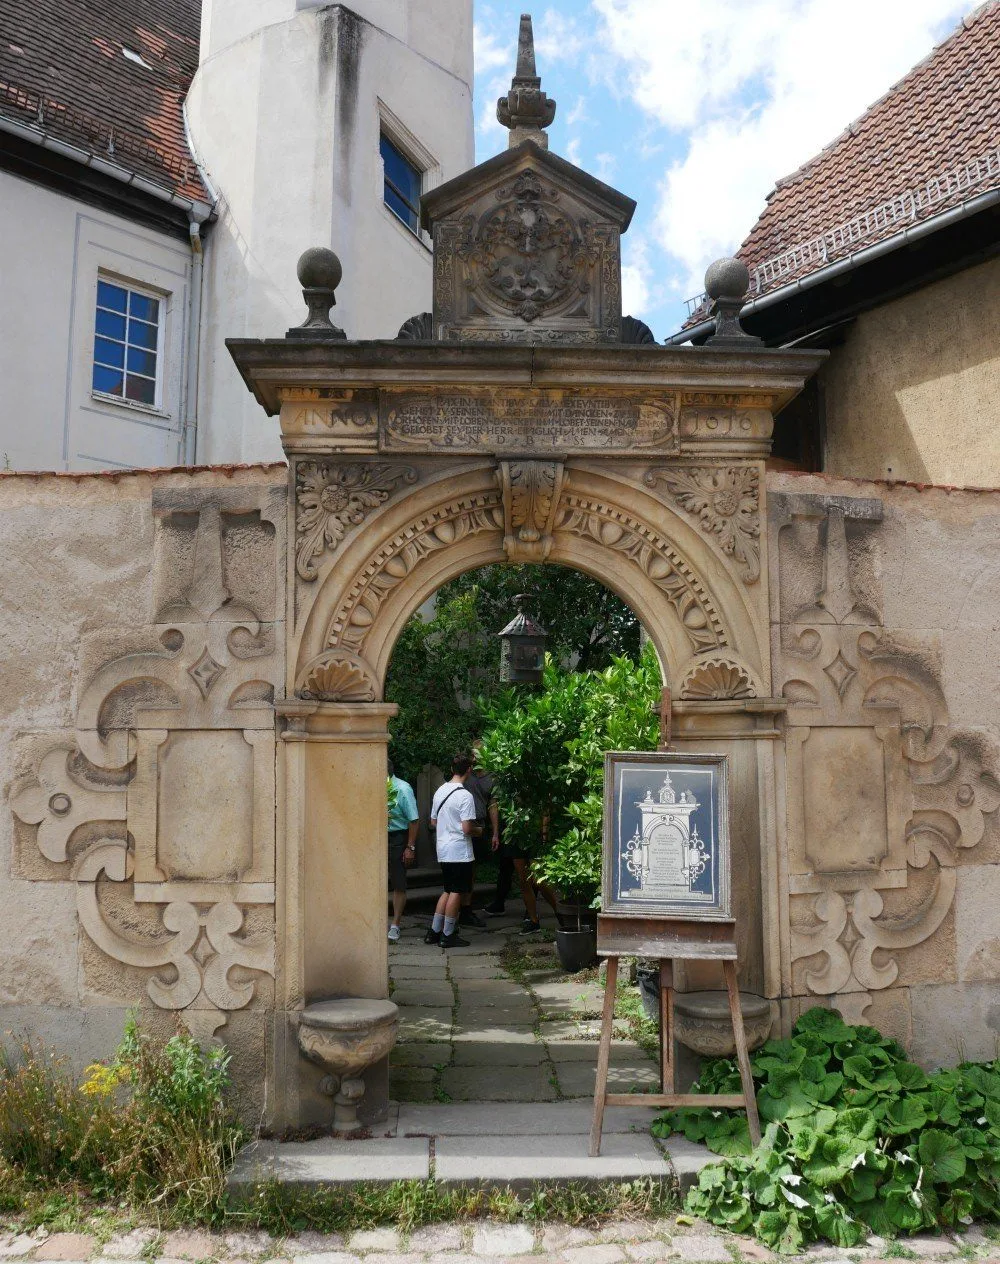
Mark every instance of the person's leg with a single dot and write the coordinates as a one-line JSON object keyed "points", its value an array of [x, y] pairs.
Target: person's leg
{"points": [[433, 936], [397, 880], [458, 880], [527, 890], [505, 880]]}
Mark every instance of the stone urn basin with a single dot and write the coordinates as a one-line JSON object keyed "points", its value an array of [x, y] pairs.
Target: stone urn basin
{"points": [[346, 1037], [702, 1022]]}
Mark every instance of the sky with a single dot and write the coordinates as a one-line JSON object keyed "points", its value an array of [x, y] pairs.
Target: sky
{"points": [[696, 108]]}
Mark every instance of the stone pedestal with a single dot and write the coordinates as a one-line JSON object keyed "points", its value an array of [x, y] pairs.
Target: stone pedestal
{"points": [[336, 876]]}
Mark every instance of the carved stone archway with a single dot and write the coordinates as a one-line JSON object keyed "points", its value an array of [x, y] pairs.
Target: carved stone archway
{"points": [[521, 420], [405, 529]]}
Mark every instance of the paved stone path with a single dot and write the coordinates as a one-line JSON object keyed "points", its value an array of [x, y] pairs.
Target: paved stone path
{"points": [[481, 1242], [469, 1031]]}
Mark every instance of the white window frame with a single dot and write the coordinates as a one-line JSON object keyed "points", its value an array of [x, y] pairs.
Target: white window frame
{"points": [[136, 287], [397, 133]]}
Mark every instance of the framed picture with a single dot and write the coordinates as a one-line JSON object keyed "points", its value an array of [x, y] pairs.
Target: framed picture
{"points": [[666, 835]]}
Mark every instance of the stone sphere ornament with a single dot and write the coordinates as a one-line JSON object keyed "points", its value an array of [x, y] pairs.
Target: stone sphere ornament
{"points": [[727, 278], [319, 268], [319, 272], [726, 284]]}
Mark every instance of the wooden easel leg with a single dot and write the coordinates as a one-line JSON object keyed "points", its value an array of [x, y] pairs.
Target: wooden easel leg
{"points": [[666, 1026], [742, 1056], [604, 1056]]}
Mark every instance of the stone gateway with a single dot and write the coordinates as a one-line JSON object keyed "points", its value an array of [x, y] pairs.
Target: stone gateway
{"points": [[195, 740]]}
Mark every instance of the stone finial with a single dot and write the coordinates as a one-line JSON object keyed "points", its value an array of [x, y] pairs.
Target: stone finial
{"points": [[526, 110], [319, 272], [726, 284]]}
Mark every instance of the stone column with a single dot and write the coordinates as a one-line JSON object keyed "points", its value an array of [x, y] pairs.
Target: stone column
{"points": [[744, 729], [333, 880]]}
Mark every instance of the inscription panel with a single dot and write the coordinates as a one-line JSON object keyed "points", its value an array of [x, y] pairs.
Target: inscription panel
{"points": [[529, 421]]}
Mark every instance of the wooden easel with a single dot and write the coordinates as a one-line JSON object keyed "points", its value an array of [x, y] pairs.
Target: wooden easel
{"points": [[667, 941]]}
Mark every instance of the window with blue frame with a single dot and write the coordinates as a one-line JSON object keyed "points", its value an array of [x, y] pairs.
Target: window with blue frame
{"points": [[127, 337], [402, 184]]}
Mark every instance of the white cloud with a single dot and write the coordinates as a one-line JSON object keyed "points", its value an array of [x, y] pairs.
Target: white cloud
{"points": [[636, 276], [754, 88]]}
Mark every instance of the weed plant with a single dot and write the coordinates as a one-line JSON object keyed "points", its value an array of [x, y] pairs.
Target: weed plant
{"points": [[857, 1139], [149, 1128], [282, 1210]]}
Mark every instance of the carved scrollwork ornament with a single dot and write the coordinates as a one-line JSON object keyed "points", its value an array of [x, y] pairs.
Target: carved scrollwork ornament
{"points": [[726, 502], [331, 498]]}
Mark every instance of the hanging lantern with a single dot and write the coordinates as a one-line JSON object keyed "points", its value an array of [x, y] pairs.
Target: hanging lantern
{"points": [[522, 648]]}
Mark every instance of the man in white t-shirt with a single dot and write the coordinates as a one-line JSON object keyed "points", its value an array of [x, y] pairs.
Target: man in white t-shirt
{"points": [[453, 814]]}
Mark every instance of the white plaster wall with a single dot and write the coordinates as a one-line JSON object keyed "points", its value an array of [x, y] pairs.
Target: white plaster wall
{"points": [[285, 116], [51, 253]]}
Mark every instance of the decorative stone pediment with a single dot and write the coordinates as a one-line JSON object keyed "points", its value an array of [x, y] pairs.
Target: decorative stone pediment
{"points": [[527, 249]]}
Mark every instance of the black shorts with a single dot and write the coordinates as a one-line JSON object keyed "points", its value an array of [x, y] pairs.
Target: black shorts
{"points": [[510, 851], [457, 876], [482, 848], [397, 870]]}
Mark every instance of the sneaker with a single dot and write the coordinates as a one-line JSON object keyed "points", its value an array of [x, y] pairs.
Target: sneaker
{"points": [[496, 909], [393, 934], [528, 927], [454, 940], [432, 937], [469, 917]]}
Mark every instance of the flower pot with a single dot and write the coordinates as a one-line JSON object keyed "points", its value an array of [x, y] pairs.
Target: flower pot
{"points": [[577, 949], [575, 916]]}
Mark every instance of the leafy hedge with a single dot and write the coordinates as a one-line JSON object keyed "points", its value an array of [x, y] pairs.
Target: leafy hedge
{"points": [[856, 1139]]}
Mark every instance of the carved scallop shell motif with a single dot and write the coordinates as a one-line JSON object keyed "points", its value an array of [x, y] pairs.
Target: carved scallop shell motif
{"points": [[717, 681], [338, 676]]}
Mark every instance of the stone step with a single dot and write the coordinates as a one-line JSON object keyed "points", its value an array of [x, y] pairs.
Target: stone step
{"points": [[516, 1145]]}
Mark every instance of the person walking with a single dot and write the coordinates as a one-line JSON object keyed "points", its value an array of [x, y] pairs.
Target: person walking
{"points": [[404, 820], [453, 815]]}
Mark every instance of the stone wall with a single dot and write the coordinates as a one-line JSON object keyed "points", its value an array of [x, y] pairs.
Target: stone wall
{"points": [[906, 372], [144, 637], [885, 614], [144, 646]]}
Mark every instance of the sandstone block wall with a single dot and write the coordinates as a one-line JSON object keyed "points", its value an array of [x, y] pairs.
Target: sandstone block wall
{"points": [[140, 848], [885, 607], [142, 618]]}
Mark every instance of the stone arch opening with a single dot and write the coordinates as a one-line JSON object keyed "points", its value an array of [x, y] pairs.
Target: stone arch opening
{"points": [[608, 525]]}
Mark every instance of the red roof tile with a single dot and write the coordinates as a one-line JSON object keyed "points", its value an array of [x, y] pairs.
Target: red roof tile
{"points": [[63, 70], [930, 142]]}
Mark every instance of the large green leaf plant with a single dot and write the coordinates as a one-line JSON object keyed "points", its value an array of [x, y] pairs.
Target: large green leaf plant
{"points": [[857, 1139]]}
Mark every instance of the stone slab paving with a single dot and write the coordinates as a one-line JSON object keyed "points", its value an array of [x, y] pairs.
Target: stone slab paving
{"points": [[482, 1242], [486, 1084], [331, 1161], [624, 1156], [532, 1040]]}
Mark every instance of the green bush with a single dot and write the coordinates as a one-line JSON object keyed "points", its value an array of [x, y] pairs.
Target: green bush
{"points": [[546, 750], [857, 1139], [151, 1125]]}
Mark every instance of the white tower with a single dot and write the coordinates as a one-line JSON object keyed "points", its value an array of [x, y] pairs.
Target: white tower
{"points": [[292, 110]]}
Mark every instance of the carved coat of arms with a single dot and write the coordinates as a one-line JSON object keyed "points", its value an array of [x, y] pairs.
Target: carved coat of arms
{"points": [[527, 255]]}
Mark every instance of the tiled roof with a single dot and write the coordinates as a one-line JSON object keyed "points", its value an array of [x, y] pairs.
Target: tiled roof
{"points": [[64, 71], [929, 143]]}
